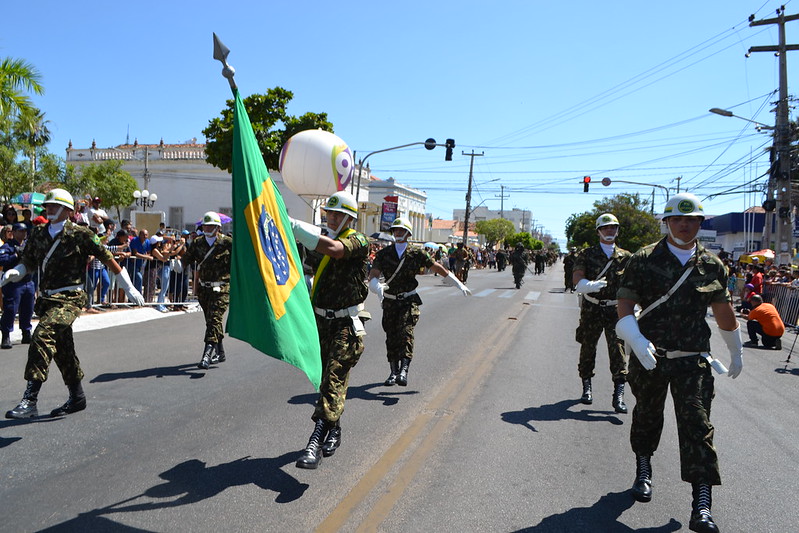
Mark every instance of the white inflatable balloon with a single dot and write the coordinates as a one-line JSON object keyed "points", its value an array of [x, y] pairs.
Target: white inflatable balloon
{"points": [[316, 163]]}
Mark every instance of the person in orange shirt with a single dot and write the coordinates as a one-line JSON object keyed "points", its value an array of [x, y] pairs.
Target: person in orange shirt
{"points": [[764, 320]]}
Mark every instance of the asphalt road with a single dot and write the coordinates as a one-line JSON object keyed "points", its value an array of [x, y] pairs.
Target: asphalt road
{"points": [[488, 436]]}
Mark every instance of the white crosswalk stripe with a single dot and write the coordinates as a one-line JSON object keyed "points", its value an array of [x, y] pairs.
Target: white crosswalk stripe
{"points": [[484, 293], [509, 293], [533, 295]]}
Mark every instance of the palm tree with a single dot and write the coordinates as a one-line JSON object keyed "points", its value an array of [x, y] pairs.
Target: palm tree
{"points": [[17, 78], [32, 129]]}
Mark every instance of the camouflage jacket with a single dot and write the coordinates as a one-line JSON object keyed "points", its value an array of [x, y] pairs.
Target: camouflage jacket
{"points": [[593, 259], [341, 283], [217, 266], [679, 322], [67, 264], [519, 258], [387, 260]]}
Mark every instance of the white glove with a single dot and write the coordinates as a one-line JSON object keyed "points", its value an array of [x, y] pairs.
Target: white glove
{"points": [[123, 280], [735, 345], [376, 287], [305, 233], [585, 286], [13, 275], [464, 289], [627, 330]]}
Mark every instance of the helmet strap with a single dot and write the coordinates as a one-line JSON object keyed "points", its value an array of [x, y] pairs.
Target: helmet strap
{"points": [[608, 239], [334, 232], [404, 237], [57, 214], [211, 234], [677, 240]]}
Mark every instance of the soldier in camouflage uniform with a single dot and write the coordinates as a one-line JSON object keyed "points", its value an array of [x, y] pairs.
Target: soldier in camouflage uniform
{"points": [[60, 251], [568, 269], [596, 277], [671, 342], [518, 262], [337, 296], [400, 263], [211, 254]]}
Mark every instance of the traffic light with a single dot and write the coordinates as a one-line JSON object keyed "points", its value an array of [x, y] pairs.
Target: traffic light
{"points": [[450, 144], [769, 205], [784, 212], [586, 183]]}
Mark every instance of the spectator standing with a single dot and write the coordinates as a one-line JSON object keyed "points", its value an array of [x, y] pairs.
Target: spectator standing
{"points": [[97, 215], [141, 248], [60, 251], [18, 297], [26, 219], [763, 320]]}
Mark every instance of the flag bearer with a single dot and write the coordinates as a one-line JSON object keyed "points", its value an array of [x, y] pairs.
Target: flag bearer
{"points": [[339, 289], [674, 281], [400, 263], [596, 277], [211, 255], [60, 251]]}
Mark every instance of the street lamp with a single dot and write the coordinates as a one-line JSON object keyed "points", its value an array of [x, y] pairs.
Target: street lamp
{"points": [[776, 176], [144, 198]]}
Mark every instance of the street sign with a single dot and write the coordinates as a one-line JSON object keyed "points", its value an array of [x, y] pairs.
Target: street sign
{"points": [[605, 181], [430, 143]]}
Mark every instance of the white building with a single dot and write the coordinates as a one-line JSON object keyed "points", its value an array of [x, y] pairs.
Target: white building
{"points": [[411, 205], [522, 218]]}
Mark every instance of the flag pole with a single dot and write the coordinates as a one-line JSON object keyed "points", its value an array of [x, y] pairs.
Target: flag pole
{"points": [[220, 53]]}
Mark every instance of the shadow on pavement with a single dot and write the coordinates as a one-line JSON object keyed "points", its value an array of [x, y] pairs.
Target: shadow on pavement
{"points": [[157, 372], [387, 395], [193, 481], [786, 370], [602, 516], [558, 411]]}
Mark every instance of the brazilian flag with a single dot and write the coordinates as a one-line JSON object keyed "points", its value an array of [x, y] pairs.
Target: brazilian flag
{"points": [[269, 303]]}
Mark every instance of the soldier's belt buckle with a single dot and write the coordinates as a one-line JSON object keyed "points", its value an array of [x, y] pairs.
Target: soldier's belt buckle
{"points": [[659, 352], [217, 289], [401, 296], [330, 314]]}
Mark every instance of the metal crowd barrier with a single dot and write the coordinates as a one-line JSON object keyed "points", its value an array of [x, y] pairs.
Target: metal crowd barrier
{"points": [[159, 285], [785, 298]]}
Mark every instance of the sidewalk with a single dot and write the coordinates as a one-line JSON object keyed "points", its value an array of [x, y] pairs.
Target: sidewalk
{"points": [[108, 318]]}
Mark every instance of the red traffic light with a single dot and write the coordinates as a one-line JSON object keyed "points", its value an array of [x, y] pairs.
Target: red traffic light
{"points": [[586, 183]]}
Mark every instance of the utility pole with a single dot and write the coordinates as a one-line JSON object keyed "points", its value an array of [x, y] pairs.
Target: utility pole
{"points": [[678, 184], [469, 197], [502, 201], [780, 174]]}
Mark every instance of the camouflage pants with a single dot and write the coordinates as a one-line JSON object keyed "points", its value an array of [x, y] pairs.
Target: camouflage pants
{"points": [[341, 350], [691, 384], [399, 319], [593, 321], [214, 305], [52, 339]]}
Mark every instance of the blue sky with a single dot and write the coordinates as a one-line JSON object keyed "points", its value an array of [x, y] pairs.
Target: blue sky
{"points": [[548, 91]]}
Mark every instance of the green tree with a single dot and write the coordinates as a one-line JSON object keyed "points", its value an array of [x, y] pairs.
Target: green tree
{"points": [[526, 239], [271, 123], [17, 79], [13, 172], [33, 132], [106, 180], [495, 229], [637, 227]]}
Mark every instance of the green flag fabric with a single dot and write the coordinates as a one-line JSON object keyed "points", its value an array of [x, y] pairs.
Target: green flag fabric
{"points": [[269, 303]]}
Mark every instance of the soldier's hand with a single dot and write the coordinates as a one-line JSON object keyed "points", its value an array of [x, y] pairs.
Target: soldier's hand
{"points": [[13, 275], [585, 286], [627, 330], [376, 287], [735, 345]]}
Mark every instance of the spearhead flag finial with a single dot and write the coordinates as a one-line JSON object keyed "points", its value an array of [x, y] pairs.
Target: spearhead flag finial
{"points": [[220, 53]]}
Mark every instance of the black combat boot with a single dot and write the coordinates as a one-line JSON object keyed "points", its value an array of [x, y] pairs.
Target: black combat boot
{"points": [[588, 397], [76, 401], [402, 377], [208, 354], [27, 407], [312, 455], [26, 336], [392, 377], [618, 398], [332, 441], [219, 356], [5, 344], [701, 520], [642, 487]]}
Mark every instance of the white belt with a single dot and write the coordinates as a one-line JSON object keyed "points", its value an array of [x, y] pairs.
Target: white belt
{"points": [[63, 289], [400, 296], [676, 354], [351, 312], [601, 303]]}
